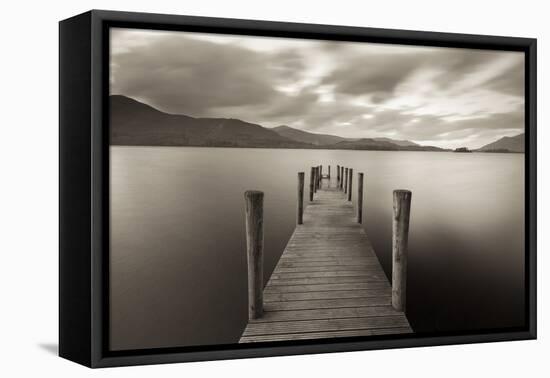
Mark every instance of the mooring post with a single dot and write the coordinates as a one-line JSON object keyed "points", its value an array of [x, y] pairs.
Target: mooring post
{"points": [[360, 197], [341, 177], [314, 179], [320, 177], [400, 239], [346, 181], [311, 183], [338, 174], [321, 170], [350, 181], [318, 174], [254, 209], [329, 172], [300, 210]]}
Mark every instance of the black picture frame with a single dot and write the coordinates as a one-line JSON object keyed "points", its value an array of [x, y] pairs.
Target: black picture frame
{"points": [[84, 189]]}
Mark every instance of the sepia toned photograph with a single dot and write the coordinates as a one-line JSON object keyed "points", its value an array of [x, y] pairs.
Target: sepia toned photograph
{"points": [[277, 190]]}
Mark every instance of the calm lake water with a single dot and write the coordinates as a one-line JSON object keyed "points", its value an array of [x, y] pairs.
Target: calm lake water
{"points": [[178, 257]]}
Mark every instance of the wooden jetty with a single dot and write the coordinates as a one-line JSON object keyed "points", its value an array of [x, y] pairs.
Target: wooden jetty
{"points": [[328, 282]]}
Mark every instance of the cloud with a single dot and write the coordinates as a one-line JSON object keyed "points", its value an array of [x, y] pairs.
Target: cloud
{"points": [[183, 75], [443, 96], [430, 129], [511, 81]]}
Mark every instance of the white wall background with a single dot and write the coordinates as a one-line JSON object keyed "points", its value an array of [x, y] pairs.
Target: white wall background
{"points": [[29, 189]]}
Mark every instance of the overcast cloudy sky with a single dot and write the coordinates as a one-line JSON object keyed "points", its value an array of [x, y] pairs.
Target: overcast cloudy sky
{"points": [[433, 96]]}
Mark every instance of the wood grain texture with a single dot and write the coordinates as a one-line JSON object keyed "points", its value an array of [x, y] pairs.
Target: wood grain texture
{"points": [[350, 184], [400, 237], [360, 197], [346, 180], [300, 205], [328, 281], [254, 213], [311, 183], [325, 335]]}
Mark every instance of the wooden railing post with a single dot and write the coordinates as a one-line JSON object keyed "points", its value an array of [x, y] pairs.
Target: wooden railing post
{"points": [[400, 239], [329, 172], [300, 210], [254, 208], [346, 180], [341, 177], [311, 183], [350, 181], [360, 197], [338, 174]]}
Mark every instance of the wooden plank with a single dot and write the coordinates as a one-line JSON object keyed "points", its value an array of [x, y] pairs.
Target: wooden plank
{"points": [[330, 294], [331, 250], [374, 273], [326, 287], [326, 335], [333, 268], [302, 326], [326, 313], [325, 280], [327, 303], [320, 235], [330, 254], [298, 263], [318, 249]]}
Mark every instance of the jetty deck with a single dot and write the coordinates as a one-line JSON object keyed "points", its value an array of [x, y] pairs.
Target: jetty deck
{"points": [[328, 282]]}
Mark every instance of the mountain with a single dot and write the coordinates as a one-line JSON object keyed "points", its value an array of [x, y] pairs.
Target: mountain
{"points": [[306, 137], [382, 145], [506, 144], [326, 139], [402, 143], [138, 124], [366, 144], [135, 123]]}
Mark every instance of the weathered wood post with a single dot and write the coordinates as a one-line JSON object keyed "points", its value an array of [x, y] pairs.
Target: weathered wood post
{"points": [[338, 174], [300, 210], [254, 208], [320, 177], [346, 181], [316, 181], [329, 172], [350, 181], [400, 240], [360, 197], [317, 178], [311, 183], [341, 177]]}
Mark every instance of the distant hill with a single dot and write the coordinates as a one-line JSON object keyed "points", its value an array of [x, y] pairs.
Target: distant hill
{"points": [[307, 137], [135, 123], [402, 143], [326, 139], [506, 144], [366, 144], [376, 144]]}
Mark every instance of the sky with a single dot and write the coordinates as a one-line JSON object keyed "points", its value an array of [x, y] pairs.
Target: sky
{"points": [[443, 97]]}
